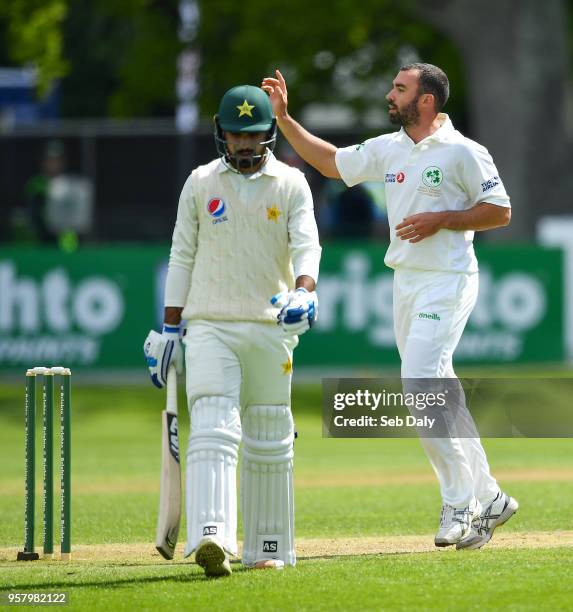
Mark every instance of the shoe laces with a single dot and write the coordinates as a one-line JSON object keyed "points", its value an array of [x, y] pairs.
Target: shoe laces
{"points": [[450, 515], [462, 515]]}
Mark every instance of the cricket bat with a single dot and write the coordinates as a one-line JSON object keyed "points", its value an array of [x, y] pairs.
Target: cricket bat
{"points": [[170, 495]]}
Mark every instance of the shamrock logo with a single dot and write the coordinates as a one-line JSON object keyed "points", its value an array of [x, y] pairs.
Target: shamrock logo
{"points": [[432, 176]]}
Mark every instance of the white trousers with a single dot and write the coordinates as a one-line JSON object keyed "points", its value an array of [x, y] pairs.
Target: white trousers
{"points": [[238, 386], [250, 363], [430, 312]]}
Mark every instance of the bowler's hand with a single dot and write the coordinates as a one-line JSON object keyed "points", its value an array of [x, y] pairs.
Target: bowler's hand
{"points": [[277, 90], [422, 225]]}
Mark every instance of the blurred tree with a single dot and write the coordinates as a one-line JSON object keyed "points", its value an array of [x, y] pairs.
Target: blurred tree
{"points": [[333, 54], [114, 57], [516, 59], [123, 53], [93, 44], [34, 36], [508, 63], [510, 56]]}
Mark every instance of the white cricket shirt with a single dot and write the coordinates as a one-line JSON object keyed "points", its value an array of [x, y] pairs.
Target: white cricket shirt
{"points": [[445, 171], [239, 240]]}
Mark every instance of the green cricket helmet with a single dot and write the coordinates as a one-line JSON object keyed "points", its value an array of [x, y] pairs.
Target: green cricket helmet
{"points": [[245, 108]]}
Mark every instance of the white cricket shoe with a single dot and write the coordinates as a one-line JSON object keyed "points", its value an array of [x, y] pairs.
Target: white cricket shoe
{"points": [[501, 509], [275, 564], [211, 556], [456, 523]]}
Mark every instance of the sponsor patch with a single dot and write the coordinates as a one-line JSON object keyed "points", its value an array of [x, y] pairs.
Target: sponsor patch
{"points": [[210, 530], [270, 546], [391, 177], [172, 428], [429, 315], [217, 208], [490, 184]]}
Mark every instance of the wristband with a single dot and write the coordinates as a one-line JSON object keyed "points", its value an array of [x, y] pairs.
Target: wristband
{"points": [[171, 331]]}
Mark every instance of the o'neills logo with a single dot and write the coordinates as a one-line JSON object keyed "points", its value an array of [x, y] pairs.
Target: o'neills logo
{"points": [[429, 315]]}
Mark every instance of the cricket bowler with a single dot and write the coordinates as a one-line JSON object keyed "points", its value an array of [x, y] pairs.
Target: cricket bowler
{"points": [[440, 188], [245, 256]]}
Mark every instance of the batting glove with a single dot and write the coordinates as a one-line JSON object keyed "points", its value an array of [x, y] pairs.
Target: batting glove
{"points": [[299, 310], [160, 350]]}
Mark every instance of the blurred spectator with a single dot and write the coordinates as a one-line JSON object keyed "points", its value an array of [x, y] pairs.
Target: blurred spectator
{"points": [[355, 212], [358, 212], [59, 206], [289, 156]]}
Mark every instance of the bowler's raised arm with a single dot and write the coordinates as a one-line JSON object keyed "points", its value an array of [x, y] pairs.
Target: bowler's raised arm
{"points": [[315, 151]]}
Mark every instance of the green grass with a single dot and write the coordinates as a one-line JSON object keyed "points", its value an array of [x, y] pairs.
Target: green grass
{"points": [[116, 457], [494, 579]]}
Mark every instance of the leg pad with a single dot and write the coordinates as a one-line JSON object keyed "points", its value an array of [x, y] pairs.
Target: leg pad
{"points": [[267, 499], [211, 491]]}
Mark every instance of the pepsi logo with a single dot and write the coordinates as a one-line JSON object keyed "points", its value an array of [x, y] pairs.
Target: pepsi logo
{"points": [[216, 207], [400, 177]]}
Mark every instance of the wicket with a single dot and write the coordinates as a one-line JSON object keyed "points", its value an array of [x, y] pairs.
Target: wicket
{"points": [[29, 553]]}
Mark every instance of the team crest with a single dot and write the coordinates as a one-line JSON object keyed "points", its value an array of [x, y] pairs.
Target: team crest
{"points": [[273, 213], [246, 109], [287, 366], [432, 176], [432, 179]]}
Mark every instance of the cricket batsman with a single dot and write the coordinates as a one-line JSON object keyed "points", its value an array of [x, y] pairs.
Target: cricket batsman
{"points": [[440, 188], [245, 256]]}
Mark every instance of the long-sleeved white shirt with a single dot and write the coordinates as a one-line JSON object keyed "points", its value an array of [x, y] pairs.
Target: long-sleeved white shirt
{"points": [[240, 239]]}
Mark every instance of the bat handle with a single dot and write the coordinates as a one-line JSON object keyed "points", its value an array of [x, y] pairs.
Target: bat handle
{"points": [[171, 404]]}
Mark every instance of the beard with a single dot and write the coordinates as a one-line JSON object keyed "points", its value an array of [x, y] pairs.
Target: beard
{"points": [[245, 160], [409, 115], [248, 160]]}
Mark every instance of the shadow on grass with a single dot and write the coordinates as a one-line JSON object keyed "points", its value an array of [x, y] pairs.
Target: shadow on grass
{"points": [[335, 557], [192, 577]]}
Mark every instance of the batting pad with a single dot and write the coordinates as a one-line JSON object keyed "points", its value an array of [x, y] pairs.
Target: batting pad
{"points": [[211, 491], [267, 500]]}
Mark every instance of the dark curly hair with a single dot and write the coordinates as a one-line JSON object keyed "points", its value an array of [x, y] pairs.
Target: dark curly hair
{"points": [[433, 80]]}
